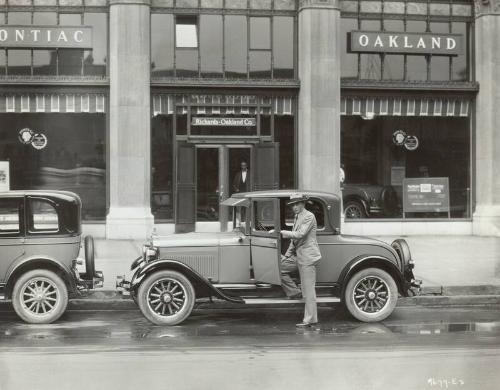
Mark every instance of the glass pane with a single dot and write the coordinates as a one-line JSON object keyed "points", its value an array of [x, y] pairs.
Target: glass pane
{"points": [[460, 71], [416, 26], [186, 34], [371, 64], [44, 62], [44, 216], [265, 125], [211, 45], [349, 61], [3, 62], [70, 61], [260, 33], [74, 158], [162, 45], [283, 47], [394, 67], [162, 167], [9, 216], [181, 124], [284, 133], [264, 219], [260, 64], [440, 68], [207, 184], [375, 167], [21, 18], [19, 62], [416, 68], [235, 36], [95, 61], [45, 18], [187, 62], [70, 19]]}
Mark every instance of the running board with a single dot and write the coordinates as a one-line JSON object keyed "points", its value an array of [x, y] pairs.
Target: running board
{"points": [[281, 300]]}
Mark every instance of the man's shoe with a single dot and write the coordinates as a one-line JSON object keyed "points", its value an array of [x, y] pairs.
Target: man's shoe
{"points": [[296, 296], [303, 325]]}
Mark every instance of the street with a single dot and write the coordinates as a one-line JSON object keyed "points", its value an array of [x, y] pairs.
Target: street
{"points": [[416, 348]]}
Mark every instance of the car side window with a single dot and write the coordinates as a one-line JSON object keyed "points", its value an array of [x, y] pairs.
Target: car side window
{"points": [[263, 216], [316, 207], [9, 217], [43, 217]]}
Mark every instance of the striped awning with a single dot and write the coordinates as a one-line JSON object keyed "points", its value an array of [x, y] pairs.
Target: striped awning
{"points": [[165, 104], [52, 103], [394, 106]]}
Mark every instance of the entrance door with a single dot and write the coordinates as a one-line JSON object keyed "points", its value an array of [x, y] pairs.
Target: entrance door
{"points": [[265, 242], [208, 174]]}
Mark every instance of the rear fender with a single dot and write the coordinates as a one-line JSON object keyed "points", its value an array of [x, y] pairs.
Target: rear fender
{"points": [[370, 261], [203, 287], [40, 263]]}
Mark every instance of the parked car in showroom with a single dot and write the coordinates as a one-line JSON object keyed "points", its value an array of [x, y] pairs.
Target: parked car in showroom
{"points": [[40, 239], [370, 201], [243, 265]]}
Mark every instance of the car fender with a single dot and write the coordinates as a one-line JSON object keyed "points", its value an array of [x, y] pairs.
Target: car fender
{"points": [[359, 199], [368, 261], [39, 263], [203, 287]]}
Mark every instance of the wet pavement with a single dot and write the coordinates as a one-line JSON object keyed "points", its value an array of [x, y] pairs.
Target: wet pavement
{"points": [[416, 348]]}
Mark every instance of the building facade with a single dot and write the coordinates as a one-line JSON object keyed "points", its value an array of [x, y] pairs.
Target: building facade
{"points": [[150, 109]]}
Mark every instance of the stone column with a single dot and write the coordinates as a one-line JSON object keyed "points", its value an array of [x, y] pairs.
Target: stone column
{"points": [[486, 218], [129, 139], [319, 100]]}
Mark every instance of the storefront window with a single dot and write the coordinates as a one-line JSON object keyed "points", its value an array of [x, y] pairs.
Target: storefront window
{"points": [[284, 133], [211, 45], [95, 60], [19, 62], [460, 70], [235, 33], [44, 62], [283, 47], [375, 165], [72, 159]]}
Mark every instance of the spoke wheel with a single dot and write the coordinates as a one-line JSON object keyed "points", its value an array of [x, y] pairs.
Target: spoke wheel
{"points": [[371, 295], [40, 297], [354, 210], [166, 297]]}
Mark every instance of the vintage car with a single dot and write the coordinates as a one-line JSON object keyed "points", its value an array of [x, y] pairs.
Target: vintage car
{"points": [[40, 239], [243, 265], [370, 201]]}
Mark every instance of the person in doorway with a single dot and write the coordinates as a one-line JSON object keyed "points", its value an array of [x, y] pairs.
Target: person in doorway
{"points": [[241, 182], [303, 254]]}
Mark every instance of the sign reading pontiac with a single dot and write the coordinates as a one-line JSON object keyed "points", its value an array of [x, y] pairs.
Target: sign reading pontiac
{"points": [[205, 121], [406, 43], [46, 37]]}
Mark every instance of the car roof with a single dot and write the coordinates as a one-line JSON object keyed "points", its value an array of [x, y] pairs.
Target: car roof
{"points": [[328, 196], [63, 195]]}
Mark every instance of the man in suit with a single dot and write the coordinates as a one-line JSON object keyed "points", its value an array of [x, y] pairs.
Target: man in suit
{"points": [[302, 254], [241, 182]]}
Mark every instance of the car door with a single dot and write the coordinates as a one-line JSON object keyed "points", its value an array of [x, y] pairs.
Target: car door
{"points": [[11, 232], [265, 241]]}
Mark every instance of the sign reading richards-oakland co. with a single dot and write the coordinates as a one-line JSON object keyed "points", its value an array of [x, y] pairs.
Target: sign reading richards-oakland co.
{"points": [[214, 121], [46, 37], [405, 43]]}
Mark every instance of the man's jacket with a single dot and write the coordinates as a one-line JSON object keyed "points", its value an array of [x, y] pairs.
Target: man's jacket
{"points": [[303, 244]]}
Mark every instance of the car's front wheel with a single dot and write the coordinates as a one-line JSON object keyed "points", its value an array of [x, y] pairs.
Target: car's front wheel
{"points": [[354, 210], [40, 297], [371, 295], [166, 297]]}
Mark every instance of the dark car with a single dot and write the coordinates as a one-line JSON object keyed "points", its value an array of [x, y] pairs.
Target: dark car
{"points": [[370, 201], [243, 266], [40, 238]]}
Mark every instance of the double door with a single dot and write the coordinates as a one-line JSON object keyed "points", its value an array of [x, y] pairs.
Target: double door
{"points": [[207, 174]]}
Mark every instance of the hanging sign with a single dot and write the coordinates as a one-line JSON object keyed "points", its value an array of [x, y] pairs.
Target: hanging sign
{"points": [[426, 194], [216, 121], [79, 37], [406, 43], [4, 176]]}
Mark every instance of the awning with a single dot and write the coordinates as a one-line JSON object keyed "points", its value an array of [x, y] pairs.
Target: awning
{"points": [[397, 106], [164, 104], [52, 103]]}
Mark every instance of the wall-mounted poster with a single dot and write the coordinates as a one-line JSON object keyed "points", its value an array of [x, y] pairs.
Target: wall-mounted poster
{"points": [[4, 176], [426, 194]]}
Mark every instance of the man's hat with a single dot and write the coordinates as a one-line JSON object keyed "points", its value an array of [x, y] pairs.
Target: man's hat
{"points": [[297, 198]]}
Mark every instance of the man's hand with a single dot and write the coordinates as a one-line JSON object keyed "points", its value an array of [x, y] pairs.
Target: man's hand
{"points": [[283, 257], [286, 234]]}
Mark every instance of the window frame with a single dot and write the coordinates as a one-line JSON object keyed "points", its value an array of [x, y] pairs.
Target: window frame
{"points": [[30, 231], [21, 219]]}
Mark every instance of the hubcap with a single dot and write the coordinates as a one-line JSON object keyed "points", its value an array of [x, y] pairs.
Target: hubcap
{"points": [[371, 294], [39, 296], [166, 297]]}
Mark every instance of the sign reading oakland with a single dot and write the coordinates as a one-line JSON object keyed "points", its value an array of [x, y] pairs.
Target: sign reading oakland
{"points": [[215, 121], [46, 37], [405, 43]]}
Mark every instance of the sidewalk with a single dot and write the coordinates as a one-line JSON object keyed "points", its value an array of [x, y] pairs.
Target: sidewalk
{"points": [[456, 265]]}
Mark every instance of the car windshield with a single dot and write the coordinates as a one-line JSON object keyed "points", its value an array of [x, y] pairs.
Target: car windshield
{"points": [[239, 218]]}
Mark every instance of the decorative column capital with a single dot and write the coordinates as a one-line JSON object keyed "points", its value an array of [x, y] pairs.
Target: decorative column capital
{"points": [[320, 4], [487, 7]]}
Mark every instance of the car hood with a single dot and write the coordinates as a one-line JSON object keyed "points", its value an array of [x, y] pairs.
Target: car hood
{"points": [[197, 239], [347, 238]]}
